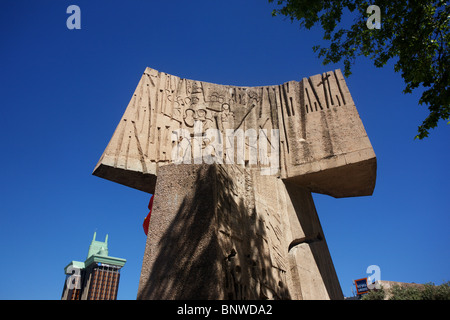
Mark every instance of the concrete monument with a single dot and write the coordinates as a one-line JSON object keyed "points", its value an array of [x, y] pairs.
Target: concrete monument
{"points": [[232, 169]]}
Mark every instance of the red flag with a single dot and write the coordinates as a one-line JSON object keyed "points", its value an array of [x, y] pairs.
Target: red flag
{"points": [[147, 218]]}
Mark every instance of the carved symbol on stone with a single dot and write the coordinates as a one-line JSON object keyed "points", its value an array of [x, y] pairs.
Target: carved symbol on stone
{"points": [[216, 97], [191, 115], [202, 116], [169, 95], [196, 88], [227, 115], [194, 100]]}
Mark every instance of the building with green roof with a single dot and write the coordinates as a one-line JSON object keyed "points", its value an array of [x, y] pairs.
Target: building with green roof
{"points": [[97, 278]]}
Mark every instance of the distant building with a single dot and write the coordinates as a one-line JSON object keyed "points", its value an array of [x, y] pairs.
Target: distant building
{"points": [[97, 278], [362, 287], [387, 286]]}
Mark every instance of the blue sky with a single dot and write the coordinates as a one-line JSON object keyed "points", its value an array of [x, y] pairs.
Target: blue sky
{"points": [[63, 92]]}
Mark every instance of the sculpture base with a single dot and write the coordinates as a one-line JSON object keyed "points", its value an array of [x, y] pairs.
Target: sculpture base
{"points": [[227, 232]]}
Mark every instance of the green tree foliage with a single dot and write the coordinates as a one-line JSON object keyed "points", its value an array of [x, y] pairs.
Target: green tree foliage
{"points": [[375, 295], [414, 33], [426, 292]]}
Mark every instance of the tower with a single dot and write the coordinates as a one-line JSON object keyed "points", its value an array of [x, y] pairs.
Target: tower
{"points": [[97, 278]]}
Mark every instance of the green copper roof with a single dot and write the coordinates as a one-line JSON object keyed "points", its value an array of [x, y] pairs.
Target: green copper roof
{"points": [[105, 260], [75, 264], [98, 253], [98, 247]]}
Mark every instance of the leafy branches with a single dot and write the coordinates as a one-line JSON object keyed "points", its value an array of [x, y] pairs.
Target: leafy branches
{"points": [[422, 292], [415, 33]]}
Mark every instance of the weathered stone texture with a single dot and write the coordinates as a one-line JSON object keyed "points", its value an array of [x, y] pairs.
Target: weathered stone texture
{"points": [[222, 231], [321, 133]]}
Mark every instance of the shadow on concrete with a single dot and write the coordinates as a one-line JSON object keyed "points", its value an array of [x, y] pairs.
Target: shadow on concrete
{"points": [[214, 247]]}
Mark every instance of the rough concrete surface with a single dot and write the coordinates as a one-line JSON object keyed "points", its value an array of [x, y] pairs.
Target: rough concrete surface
{"points": [[245, 230]]}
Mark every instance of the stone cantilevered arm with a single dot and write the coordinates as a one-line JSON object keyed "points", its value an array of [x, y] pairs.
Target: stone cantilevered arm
{"points": [[323, 145]]}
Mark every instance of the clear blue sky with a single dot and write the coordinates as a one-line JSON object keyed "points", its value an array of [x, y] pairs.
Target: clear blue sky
{"points": [[63, 92]]}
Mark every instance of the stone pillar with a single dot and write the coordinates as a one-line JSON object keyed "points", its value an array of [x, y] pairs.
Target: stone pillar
{"points": [[227, 232], [232, 221], [182, 258], [311, 266]]}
